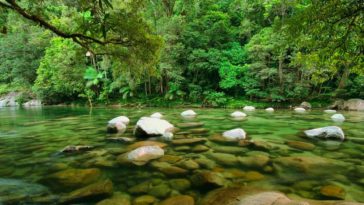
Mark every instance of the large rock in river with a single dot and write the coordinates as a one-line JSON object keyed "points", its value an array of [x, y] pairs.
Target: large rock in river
{"points": [[188, 113], [305, 105], [338, 118], [352, 104], [149, 127], [249, 108], [333, 132], [142, 155], [118, 124], [235, 134], [238, 114]]}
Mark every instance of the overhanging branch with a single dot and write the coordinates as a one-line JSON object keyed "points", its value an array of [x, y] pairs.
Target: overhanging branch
{"points": [[79, 38]]}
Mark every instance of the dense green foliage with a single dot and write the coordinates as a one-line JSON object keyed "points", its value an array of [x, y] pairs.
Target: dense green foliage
{"points": [[206, 52]]}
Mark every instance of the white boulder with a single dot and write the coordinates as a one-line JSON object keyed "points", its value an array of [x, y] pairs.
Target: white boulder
{"points": [[156, 115], [149, 127], [118, 124], [238, 114], [144, 154], [270, 109], [300, 109], [32, 103], [188, 113], [330, 111], [234, 134], [249, 108], [338, 118], [326, 132], [121, 119]]}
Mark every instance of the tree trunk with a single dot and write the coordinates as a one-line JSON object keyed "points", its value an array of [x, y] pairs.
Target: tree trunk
{"points": [[344, 77]]}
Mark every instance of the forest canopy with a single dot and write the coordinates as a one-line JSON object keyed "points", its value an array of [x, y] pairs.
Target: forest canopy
{"points": [[211, 52]]}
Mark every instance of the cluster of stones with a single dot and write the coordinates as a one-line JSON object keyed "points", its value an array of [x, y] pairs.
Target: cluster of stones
{"points": [[186, 157]]}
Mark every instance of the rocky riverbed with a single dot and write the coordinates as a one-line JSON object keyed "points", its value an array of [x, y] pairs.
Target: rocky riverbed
{"points": [[266, 159]]}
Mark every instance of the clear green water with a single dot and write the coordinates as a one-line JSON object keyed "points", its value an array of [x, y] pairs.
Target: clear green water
{"points": [[30, 140]]}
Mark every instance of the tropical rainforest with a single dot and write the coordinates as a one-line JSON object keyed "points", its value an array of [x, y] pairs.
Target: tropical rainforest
{"points": [[206, 52]]}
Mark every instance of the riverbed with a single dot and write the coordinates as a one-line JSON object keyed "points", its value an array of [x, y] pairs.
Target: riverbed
{"points": [[31, 141]]}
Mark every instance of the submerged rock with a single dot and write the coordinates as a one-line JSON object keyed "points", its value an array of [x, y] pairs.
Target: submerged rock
{"points": [[179, 200], [98, 190], [76, 148], [156, 115], [246, 196], [12, 191], [255, 196], [72, 178], [270, 109], [142, 155], [301, 145], [338, 118], [144, 200], [188, 141], [238, 114], [150, 127], [225, 159], [168, 169], [249, 108], [188, 113], [326, 132], [258, 161], [190, 124], [117, 198], [121, 139], [146, 143], [180, 184], [333, 191], [234, 134], [208, 179], [310, 166]]}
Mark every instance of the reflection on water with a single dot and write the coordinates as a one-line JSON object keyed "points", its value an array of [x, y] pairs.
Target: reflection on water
{"points": [[30, 141]]}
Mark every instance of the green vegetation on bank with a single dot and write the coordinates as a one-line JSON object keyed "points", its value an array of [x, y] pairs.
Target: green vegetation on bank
{"points": [[225, 53]]}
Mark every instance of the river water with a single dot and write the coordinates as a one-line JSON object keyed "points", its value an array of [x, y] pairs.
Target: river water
{"points": [[31, 140]]}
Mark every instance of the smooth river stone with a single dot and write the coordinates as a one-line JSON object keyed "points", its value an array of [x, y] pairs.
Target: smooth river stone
{"points": [[168, 169], [257, 161], [72, 178], [190, 124], [224, 159], [179, 200], [188, 141], [146, 143], [333, 191], [301, 145], [208, 178], [101, 189], [117, 198], [180, 184], [143, 155]]}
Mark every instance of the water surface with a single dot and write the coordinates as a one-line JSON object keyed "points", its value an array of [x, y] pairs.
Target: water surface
{"points": [[30, 141]]}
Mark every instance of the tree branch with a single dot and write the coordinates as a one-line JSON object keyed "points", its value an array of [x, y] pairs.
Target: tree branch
{"points": [[79, 38]]}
